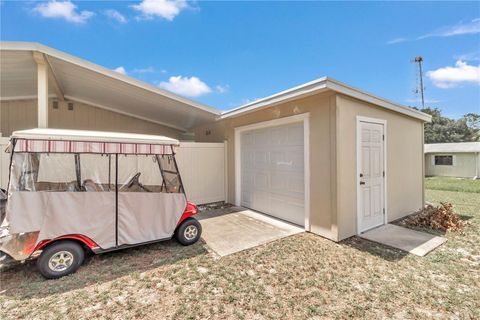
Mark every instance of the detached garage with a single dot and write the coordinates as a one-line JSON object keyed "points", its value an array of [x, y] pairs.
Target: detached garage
{"points": [[325, 156]]}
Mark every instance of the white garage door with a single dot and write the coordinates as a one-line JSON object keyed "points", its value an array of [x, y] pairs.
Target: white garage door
{"points": [[272, 172]]}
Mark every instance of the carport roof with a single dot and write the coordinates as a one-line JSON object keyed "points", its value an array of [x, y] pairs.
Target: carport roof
{"points": [[322, 85], [86, 82]]}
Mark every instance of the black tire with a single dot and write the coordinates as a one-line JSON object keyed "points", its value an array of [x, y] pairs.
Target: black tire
{"points": [[63, 251], [184, 235]]}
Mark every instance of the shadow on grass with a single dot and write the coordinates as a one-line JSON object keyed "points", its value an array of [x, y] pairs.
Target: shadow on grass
{"points": [[374, 248], [24, 282], [465, 217]]}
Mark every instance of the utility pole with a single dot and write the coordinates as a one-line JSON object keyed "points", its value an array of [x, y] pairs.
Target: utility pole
{"points": [[419, 60]]}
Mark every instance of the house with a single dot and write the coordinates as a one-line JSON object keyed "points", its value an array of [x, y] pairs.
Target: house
{"points": [[329, 157], [461, 159]]}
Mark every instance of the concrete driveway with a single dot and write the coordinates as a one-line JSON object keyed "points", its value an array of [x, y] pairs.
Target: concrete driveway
{"points": [[234, 229]]}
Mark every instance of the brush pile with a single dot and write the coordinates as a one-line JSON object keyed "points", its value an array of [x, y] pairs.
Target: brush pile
{"points": [[442, 218]]}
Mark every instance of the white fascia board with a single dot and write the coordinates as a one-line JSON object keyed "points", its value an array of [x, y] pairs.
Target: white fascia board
{"points": [[306, 89], [32, 46], [321, 85], [14, 98], [370, 98]]}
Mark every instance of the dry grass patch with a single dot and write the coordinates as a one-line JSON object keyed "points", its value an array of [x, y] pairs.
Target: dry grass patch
{"points": [[299, 277]]}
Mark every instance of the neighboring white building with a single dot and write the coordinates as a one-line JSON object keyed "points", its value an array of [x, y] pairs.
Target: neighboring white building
{"points": [[453, 159]]}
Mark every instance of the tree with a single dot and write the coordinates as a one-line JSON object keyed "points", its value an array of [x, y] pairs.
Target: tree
{"points": [[473, 121], [443, 129]]}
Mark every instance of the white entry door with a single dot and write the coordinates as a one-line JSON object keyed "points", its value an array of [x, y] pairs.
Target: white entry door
{"points": [[272, 171], [371, 175]]}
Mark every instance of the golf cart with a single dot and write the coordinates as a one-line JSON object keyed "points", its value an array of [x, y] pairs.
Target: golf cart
{"points": [[74, 191]]}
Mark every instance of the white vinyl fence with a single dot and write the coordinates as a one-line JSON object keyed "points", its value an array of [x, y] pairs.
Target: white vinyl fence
{"points": [[202, 167], [4, 163]]}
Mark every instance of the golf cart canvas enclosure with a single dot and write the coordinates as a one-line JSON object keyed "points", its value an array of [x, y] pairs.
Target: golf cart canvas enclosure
{"points": [[105, 190]]}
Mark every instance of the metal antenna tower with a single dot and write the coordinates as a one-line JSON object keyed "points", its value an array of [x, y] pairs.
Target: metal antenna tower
{"points": [[419, 61]]}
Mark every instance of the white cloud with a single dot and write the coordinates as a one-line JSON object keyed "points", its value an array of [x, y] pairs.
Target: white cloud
{"points": [[222, 89], [448, 77], [472, 27], [115, 15], [397, 40], [166, 9], [120, 70], [64, 10], [190, 87], [460, 28], [471, 56]]}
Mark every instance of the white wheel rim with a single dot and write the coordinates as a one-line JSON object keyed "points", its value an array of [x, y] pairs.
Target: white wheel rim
{"points": [[190, 232], [60, 261]]}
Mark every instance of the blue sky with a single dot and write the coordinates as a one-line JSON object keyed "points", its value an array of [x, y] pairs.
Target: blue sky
{"points": [[225, 54]]}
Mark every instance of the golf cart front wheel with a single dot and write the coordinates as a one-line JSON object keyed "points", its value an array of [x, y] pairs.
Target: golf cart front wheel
{"points": [[60, 259], [189, 232]]}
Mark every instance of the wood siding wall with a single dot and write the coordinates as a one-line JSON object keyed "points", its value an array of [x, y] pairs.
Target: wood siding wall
{"points": [[22, 114]]}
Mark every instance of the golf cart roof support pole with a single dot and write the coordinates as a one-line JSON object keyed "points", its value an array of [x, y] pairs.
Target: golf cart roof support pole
{"points": [[178, 172], [109, 171], [116, 199], [13, 142], [164, 184], [78, 171]]}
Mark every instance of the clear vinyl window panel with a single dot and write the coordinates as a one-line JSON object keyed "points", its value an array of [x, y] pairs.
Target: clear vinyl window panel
{"points": [[139, 173], [61, 172], [44, 172]]}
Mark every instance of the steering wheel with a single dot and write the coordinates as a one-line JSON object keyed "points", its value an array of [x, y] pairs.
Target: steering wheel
{"points": [[134, 180]]}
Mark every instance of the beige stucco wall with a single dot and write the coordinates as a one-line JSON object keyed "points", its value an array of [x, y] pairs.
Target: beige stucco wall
{"points": [[22, 114], [465, 165], [333, 202], [321, 108], [404, 165]]}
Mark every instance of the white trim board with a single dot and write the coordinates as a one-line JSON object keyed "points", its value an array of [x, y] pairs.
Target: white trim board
{"points": [[305, 119], [322, 85], [358, 169]]}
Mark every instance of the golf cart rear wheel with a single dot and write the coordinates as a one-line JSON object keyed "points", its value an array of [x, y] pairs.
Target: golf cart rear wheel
{"points": [[189, 232], [60, 259]]}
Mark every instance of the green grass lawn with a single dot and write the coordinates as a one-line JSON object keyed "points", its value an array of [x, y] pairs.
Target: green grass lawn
{"points": [[452, 184], [300, 277]]}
